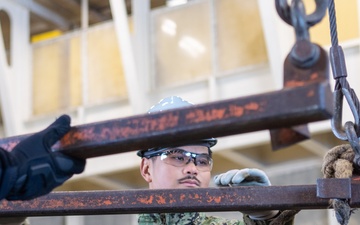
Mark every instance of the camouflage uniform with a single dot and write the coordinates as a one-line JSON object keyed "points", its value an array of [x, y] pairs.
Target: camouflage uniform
{"points": [[197, 218]]}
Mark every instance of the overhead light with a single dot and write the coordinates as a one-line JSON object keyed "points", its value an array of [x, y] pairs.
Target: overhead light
{"points": [[192, 46], [169, 27]]}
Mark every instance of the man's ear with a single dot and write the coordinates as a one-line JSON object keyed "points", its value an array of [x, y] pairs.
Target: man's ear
{"points": [[145, 169]]}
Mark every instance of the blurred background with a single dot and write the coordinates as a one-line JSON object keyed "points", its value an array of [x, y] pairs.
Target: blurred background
{"points": [[105, 59]]}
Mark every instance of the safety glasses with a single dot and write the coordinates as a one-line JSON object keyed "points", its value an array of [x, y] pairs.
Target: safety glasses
{"points": [[179, 158]]}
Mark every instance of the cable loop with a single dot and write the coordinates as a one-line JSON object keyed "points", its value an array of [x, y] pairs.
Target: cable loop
{"points": [[336, 121], [342, 87], [354, 142]]}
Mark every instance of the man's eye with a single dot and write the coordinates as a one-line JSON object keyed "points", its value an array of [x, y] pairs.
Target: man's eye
{"points": [[178, 157], [203, 162]]}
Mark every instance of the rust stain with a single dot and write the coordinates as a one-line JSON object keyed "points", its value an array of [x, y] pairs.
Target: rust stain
{"points": [[216, 199], [161, 200], [107, 202], [74, 203], [182, 197], [236, 110], [53, 204], [195, 196], [76, 135], [294, 83], [310, 93], [146, 200], [118, 130], [172, 199], [165, 122], [252, 106], [314, 76], [197, 116], [146, 125]]}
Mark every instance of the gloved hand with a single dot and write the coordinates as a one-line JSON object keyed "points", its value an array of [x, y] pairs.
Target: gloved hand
{"points": [[14, 221], [39, 169], [247, 177], [243, 177]]}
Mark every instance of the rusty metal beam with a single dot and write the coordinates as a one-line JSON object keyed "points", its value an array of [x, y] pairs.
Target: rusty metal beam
{"points": [[291, 106], [177, 200]]}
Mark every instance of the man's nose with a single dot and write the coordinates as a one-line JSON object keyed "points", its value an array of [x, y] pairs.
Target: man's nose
{"points": [[191, 166]]}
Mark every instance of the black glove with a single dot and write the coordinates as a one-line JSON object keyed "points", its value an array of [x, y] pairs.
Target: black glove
{"points": [[39, 169], [14, 221]]}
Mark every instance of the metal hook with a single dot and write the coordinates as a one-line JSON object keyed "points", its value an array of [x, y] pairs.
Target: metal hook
{"points": [[354, 142], [284, 11], [298, 20], [336, 121]]}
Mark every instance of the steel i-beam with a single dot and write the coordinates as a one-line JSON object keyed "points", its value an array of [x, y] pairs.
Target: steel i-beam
{"points": [[287, 107], [182, 200]]}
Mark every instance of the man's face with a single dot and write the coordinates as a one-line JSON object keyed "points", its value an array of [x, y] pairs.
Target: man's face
{"points": [[162, 175]]}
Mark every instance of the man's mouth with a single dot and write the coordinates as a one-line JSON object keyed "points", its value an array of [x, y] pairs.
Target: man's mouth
{"points": [[190, 181]]}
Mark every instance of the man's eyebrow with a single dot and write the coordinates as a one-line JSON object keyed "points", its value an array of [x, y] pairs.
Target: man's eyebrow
{"points": [[177, 149]]}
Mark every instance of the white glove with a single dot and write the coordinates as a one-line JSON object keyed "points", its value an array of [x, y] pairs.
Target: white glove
{"points": [[244, 177], [247, 177]]}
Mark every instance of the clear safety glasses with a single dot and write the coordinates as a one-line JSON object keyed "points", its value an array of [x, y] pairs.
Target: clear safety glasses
{"points": [[179, 158]]}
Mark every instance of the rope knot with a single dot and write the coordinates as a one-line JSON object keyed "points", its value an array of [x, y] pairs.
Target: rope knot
{"points": [[338, 163]]}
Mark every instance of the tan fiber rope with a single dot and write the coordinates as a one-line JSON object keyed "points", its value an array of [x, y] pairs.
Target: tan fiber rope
{"points": [[338, 163]]}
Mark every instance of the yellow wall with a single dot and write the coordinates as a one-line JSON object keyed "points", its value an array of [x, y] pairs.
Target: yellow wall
{"points": [[183, 51], [50, 75], [184, 44], [347, 22], [240, 34], [57, 82]]}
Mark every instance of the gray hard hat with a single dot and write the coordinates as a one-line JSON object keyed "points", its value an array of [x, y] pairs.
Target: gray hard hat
{"points": [[174, 102]]}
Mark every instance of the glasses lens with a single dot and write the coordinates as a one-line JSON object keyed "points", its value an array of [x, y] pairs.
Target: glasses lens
{"points": [[180, 158], [203, 161]]}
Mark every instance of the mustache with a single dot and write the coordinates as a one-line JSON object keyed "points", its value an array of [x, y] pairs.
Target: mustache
{"points": [[189, 177]]}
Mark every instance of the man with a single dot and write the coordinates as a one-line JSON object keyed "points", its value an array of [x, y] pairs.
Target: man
{"points": [[32, 169], [189, 166]]}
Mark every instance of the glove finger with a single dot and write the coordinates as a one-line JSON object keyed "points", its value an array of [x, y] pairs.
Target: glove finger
{"points": [[259, 176], [37, 185], [69, 165], [251, 177], [224, 179], [217, 179], [240, 176], [56, 130]]}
